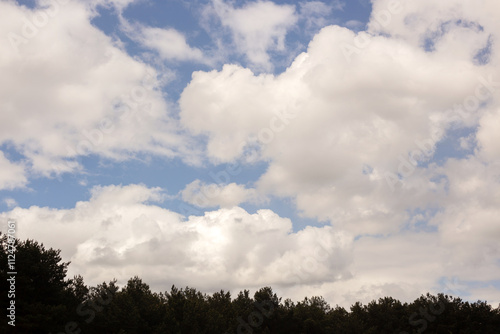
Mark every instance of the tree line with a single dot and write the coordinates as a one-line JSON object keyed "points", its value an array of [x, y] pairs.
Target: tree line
{"points": [[46, 301]]}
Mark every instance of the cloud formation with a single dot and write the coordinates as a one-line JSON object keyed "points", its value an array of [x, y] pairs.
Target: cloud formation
{"points": [[257, 28], [356, 133], [351, 127], [120, 233], [170, 44], [12, 175], [389, 136], [81, 100]]}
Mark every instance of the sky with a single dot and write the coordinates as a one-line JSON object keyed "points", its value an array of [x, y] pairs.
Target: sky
{"points": [[348, 149]]}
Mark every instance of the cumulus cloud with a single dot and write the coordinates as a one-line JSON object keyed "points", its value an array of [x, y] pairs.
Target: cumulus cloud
{"points": [[119, 233], [86, 95], [218, 195], [351, 127], [351, 132], [257, 28]]}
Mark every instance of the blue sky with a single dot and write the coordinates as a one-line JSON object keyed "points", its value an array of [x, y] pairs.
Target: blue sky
{"points": [[312, 124], [64, 190]]}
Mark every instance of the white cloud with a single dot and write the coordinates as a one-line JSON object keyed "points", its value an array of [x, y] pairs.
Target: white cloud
{"points": [[323, 121], [353, 112], [12, 175], [455, 24], [117, 234], [120, 233], [314, 13], [379, 270], [407, 265], [82, 95], [357, 106], [222, 195], [257, 28], [488, 136], [170, 44], [352, 108], [471, 214]]}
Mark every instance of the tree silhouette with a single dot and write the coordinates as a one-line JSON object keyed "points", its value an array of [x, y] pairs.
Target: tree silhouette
{"points": [[43, 296]]}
